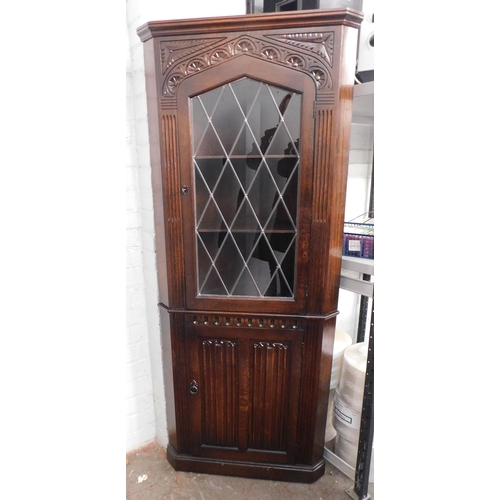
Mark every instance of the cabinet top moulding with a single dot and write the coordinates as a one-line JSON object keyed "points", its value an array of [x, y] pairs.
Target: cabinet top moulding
{"points": [[275, 20]]}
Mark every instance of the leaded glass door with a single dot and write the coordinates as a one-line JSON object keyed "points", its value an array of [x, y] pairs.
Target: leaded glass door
{"points": [[246, 164], [247, 180]]}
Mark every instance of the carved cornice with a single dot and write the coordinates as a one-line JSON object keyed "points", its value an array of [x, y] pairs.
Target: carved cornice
{"points": [[311, 53], [314, 19]]}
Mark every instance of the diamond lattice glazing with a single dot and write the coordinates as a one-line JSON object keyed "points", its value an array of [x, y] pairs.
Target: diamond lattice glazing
{"points": [[246, 168]]}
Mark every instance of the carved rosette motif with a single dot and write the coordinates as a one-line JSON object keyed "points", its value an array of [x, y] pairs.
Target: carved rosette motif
{"points": [[308, 52], [175, 50]]}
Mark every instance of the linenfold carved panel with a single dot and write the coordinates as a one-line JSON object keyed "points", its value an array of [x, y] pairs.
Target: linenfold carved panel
{"points": [[220, 392], [269, 395], [307, 52]]}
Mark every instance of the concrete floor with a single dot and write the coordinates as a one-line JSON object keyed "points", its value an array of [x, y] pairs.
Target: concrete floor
{"points": [[151, 477]]}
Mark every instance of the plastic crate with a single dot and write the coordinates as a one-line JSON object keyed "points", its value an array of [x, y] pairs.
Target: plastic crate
{"points": [[359, 240]]}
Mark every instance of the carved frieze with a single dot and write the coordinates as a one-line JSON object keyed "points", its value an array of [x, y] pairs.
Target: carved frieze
{"points": [[175, 50], [308, 52], [320, 44], [244, 321]]}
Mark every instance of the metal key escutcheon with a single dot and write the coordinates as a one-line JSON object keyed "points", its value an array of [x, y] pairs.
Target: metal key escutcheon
{"points": [[193, 387]]}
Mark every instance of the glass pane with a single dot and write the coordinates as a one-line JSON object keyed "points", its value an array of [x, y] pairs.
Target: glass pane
{"points": [[263, 194], [246, 161], [227, 119], [227, 193]]}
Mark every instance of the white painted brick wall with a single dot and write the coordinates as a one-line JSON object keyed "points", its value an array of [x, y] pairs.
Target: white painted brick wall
{"points": [[145, 400], [139, 412]]}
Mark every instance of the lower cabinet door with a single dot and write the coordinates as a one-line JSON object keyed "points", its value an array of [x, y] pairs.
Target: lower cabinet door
{"points": [[244, 393]]}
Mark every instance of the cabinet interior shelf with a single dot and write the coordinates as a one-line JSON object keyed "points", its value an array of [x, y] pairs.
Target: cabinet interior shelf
{"points": [[249, 231], [242, 157]]}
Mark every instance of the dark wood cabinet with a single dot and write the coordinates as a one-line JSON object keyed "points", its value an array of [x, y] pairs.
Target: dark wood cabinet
{"points": [[251, 384], [249, 120]]}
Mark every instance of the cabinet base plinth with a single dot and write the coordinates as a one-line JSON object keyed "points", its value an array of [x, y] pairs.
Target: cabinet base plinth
{"points": [[276, 472]]}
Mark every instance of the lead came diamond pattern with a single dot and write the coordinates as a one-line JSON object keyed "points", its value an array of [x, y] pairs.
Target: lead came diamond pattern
{"points": [[246, 168]]}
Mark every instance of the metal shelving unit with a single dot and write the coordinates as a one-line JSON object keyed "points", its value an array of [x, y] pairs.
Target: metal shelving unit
{"points": [[361, 474], [355, 284], [357, 276]]}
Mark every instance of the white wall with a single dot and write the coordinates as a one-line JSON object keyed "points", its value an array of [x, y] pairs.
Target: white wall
{"points": [[140, 414], [145, 400]]}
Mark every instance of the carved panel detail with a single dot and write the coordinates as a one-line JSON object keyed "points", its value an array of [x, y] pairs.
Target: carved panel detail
{"points": [[320, 44], [269, 388], [244, 321], [174, 50], [219, 343], [168, 104], [324, 128], [308, 52], [219, 392], [326, 99], [173, 211], [267, 345]]}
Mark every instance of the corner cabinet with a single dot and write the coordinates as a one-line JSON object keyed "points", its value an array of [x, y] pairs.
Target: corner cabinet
{"points": [[249, 124]]}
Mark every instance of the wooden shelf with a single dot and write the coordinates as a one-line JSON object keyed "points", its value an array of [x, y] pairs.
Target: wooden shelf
{"points": [[243, 157], [247, 231]]}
